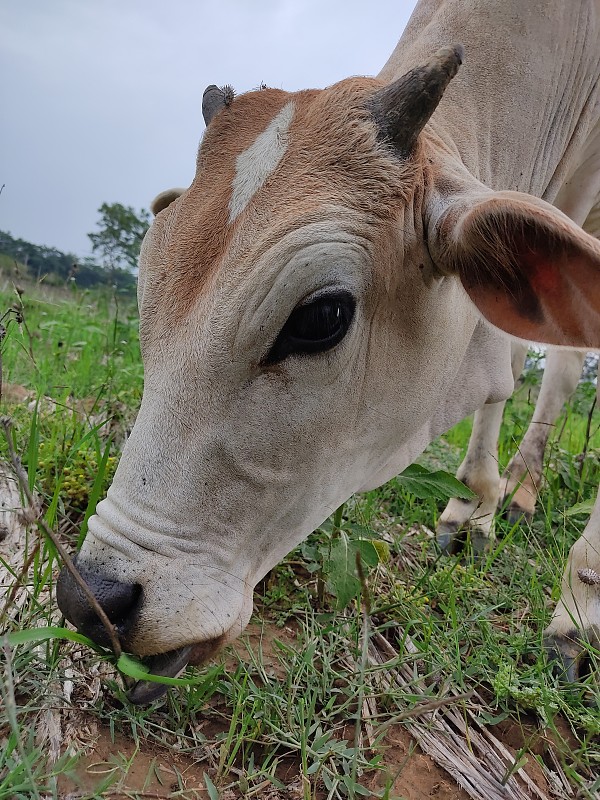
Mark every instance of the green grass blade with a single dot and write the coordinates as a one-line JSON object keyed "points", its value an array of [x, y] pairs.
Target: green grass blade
{"points": [[45, 634], [133, 668]]}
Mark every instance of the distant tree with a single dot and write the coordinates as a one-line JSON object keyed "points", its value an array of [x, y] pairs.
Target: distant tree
{"points": [[120, 235], [38, 259], [88, 274], [590, 367]]}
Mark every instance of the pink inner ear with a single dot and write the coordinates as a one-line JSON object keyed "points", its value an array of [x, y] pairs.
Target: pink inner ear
{"points": [[569, 289], [553, 297], [530, 270], [544, 275], [500, 309]]}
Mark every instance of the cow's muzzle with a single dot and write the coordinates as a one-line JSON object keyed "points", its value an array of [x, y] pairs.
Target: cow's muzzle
{"points": [[121, 603]]}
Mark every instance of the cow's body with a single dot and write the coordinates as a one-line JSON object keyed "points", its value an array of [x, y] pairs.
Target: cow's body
{"points": [[523, 114], [564, 169], [244, 442]]}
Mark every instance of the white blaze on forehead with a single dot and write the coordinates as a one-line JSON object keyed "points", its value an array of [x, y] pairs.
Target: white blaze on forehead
{"points": [[255, 164]]}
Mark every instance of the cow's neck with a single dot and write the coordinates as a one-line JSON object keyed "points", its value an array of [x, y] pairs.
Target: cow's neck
{"points": [[506, 111]]}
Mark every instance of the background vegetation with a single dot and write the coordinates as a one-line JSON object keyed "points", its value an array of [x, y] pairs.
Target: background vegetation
{"points": [[116, 241]]}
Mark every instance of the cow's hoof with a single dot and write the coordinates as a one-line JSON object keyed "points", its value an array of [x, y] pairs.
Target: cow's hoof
{"points": [[514, 514], [480, 543], [565, 654], [452, 539], [449, 538]]}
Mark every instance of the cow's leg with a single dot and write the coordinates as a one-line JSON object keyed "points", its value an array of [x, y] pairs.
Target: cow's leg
{"points": [[521, 479], [579, 200], [577, 615], [479, 471]]}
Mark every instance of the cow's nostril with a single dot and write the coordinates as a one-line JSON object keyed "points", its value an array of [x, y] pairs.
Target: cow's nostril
{"points": [[119, 601]]}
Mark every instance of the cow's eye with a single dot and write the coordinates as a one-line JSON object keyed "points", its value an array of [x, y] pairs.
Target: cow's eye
{"points": [[314, 327]]}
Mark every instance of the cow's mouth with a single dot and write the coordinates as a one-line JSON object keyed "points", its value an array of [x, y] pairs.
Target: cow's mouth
{"points": [[171, 665]]}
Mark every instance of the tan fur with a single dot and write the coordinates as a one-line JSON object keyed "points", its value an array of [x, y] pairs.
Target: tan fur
{"points": [[333, 157]]}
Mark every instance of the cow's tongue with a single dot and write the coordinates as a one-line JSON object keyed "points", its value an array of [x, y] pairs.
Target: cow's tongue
{"points": [[170, 664]]}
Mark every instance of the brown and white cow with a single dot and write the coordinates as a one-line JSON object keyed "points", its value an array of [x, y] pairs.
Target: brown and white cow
{"points": [[328, 296]]}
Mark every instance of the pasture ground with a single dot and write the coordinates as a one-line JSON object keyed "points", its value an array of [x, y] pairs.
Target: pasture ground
{"points": [[337, 680]]}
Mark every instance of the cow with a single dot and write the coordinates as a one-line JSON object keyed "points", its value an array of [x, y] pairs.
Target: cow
{"points": [[343, 281], [516, 493], [517, 490]]}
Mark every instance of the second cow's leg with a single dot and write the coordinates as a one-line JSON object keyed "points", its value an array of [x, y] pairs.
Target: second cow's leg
{"points": [[521, 479], [577, 615], [479, 471]]}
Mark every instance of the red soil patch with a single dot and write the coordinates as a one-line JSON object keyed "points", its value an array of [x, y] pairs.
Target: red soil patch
{"points": [[120, 769]]}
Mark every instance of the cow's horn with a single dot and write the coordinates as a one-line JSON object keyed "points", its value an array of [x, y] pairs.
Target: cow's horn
{"points": [[214, 99], [403, 108]]}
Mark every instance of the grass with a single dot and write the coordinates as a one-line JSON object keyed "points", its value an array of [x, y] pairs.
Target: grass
{"points": [[304, 707]]}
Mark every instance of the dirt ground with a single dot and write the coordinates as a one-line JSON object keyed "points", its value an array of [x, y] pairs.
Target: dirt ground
{"points": [[116, 769], [152, 772], [158, 773]]}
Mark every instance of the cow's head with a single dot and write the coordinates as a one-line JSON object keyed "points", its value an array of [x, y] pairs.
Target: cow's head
{"points": [[302, 326]]}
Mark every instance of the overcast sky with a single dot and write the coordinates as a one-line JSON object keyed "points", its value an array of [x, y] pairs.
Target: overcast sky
{"points": [[101, 98]]}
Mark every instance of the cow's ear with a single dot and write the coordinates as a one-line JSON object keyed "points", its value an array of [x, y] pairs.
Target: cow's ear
{"points": [[528, 268], [164, 199]]}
